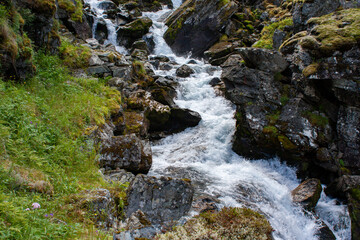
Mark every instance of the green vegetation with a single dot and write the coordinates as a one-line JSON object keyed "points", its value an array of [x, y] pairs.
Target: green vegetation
{"points": [[229, 223], [74, 56], [75, 10], [266, 39], [316, 119], [337, 31], [46, 154]]}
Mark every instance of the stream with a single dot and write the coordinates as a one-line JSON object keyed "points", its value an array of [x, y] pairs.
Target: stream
{"points": [[203, 154]]}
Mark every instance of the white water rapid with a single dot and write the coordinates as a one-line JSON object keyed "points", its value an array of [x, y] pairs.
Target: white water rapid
{"points": [[204, 154]]}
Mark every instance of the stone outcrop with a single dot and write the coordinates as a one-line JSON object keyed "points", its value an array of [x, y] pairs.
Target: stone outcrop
{"points": [[197, 25], [307, 193], [133, 31], [160, 199]]}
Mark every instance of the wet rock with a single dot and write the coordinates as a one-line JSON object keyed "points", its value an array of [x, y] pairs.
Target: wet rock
{"points": [[196, 25], [214, 81], [160, 199], [263, 59], [141, 45], [184, 71], [101, 31], [129, 33], [307, 193], [126, 152], [324, 233], [181, 119], [107, 5], [165, 66]]}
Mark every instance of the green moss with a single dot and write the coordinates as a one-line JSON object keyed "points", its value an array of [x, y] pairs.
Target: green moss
{"points": [[270, 130], [355, 193], [316, 119], [284, 100], [311, 69], [273, 118], [229, 223], [286, 143], [337, 31], [266, 39]]}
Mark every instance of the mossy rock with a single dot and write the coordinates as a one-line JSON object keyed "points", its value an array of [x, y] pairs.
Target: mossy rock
{"points": [[286, 143], [338, 31], [229, 223]]}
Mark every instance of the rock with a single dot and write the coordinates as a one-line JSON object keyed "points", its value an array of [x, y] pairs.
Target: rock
{"points": [[119, 176], [278, 38], [95, 60], [307, 193], [196, 25], [348, 129], [219, 50], [324, 233], [141, 45], [160, 199], [98, 70], [205, 203], [101, 207], [184, 71], [129, 33], [306, 10], [181, 119], [101, 31], [137, 226], [215, 81], [126, 152], [123, 72], [263, 59], [343, 185], [106, 5]]}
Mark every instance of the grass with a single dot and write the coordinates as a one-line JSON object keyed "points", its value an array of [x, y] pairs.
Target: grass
{"points": [[45, 152], [74, 56]]}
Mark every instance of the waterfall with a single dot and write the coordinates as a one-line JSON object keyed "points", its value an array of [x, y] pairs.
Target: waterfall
{"points": [[203, 153]]}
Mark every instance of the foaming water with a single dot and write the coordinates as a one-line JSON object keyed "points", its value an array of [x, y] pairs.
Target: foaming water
{"points": [[203, 153]]}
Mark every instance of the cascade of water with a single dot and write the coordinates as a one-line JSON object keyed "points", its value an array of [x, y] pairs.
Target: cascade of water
{"points": [[111, 27], [204, 154]]}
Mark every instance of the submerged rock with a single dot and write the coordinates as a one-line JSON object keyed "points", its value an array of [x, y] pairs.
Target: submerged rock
{"points": [[184, 71], [307, 193], [160, 199]]}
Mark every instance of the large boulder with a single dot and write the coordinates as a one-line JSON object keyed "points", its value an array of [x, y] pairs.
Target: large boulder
{"points": [[263, 59], [126, 152], [196, 25], [160, 199], [307, 193], [129, 33]]}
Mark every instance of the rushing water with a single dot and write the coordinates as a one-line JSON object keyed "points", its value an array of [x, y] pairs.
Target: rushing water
{"points": [[203, 154]]}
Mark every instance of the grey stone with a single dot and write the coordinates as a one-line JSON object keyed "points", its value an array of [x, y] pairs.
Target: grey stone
{"points": [[184, 71], [160, 199], [126, 152], [307, 193]]}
